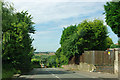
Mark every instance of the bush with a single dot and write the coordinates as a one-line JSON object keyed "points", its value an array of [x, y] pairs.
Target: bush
{"points": [[35, 61], [114, 46]]}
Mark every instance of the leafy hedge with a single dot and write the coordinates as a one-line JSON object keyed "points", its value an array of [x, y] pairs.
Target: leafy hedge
{"points": [[17, 49]]}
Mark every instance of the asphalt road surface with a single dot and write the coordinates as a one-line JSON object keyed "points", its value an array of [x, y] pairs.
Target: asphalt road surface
{"points": [[54, 74]]}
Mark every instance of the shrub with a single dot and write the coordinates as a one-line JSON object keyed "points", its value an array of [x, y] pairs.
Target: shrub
{"points": [[114, 46], [35, 61]]}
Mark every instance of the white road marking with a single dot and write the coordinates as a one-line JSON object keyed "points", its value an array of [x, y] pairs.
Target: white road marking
{"points": [[53, 74], [57, 77]]}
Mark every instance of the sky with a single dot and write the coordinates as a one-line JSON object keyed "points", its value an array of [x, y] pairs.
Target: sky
{"points": [[51, 16]]}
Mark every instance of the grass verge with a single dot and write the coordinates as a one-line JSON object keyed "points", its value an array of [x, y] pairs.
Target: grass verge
{"points": [[8, 71]]}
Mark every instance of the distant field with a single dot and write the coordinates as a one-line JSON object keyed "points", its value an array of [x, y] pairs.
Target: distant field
{"points": [[44, 53]]}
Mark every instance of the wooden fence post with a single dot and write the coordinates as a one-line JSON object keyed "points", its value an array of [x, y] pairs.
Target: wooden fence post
{"points": [[116, 61]]}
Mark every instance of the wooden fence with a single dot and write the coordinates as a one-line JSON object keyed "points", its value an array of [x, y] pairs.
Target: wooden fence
{"points": [[103, 60]]}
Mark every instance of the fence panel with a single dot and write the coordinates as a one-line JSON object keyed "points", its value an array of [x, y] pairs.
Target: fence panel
{"points": [[103, 60]]}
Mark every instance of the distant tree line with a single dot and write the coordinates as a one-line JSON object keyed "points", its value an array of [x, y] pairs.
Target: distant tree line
{"points": [[17, 47], [47, 60]]}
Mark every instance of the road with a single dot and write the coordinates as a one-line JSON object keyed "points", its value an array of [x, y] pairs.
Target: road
{"points": [[54, 74]]}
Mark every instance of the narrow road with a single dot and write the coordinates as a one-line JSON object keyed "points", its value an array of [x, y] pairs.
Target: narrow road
{"points": [[54, 74]]}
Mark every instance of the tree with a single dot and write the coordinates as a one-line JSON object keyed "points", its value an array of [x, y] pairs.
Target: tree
{"points": [[92, 35], [67, 44], [67, 32], [17, 43], [112, 13], [88, 35], [51, 61]]}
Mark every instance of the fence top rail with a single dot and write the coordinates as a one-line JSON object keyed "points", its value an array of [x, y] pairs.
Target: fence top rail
{"points": [[115, 49], [92, 50]]}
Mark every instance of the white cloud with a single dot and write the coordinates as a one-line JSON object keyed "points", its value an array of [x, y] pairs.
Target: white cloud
{"points": [[46, 40], [41, 33], [44, 11], [55, 28], [65, 26]]}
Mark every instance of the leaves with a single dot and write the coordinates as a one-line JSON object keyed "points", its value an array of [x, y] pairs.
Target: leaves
{"points": [[112, 13], [88, 35], [17, 44]]}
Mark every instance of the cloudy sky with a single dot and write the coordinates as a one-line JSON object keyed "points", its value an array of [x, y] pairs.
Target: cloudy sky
{"points": [[50, 16]]}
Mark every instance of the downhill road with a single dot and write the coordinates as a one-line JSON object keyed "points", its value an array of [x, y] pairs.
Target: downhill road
{"points": [[54, 74]]}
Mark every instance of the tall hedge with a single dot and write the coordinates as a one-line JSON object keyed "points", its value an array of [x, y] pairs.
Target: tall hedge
{"points": [[17, 43]]}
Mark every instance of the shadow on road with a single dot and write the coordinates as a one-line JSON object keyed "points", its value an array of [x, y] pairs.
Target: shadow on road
{"points": [[47, 73], [40, 71]]}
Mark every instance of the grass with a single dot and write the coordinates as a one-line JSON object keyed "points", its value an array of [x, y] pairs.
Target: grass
{"points": [[8, 71]]}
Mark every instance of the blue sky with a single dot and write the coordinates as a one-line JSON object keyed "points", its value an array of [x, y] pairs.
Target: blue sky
{"points": [[51, 16]]}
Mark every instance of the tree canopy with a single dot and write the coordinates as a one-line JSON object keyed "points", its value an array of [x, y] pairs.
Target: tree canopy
{"points": [[112, 16], [17, 43], [88, 35], [92, 34]]}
